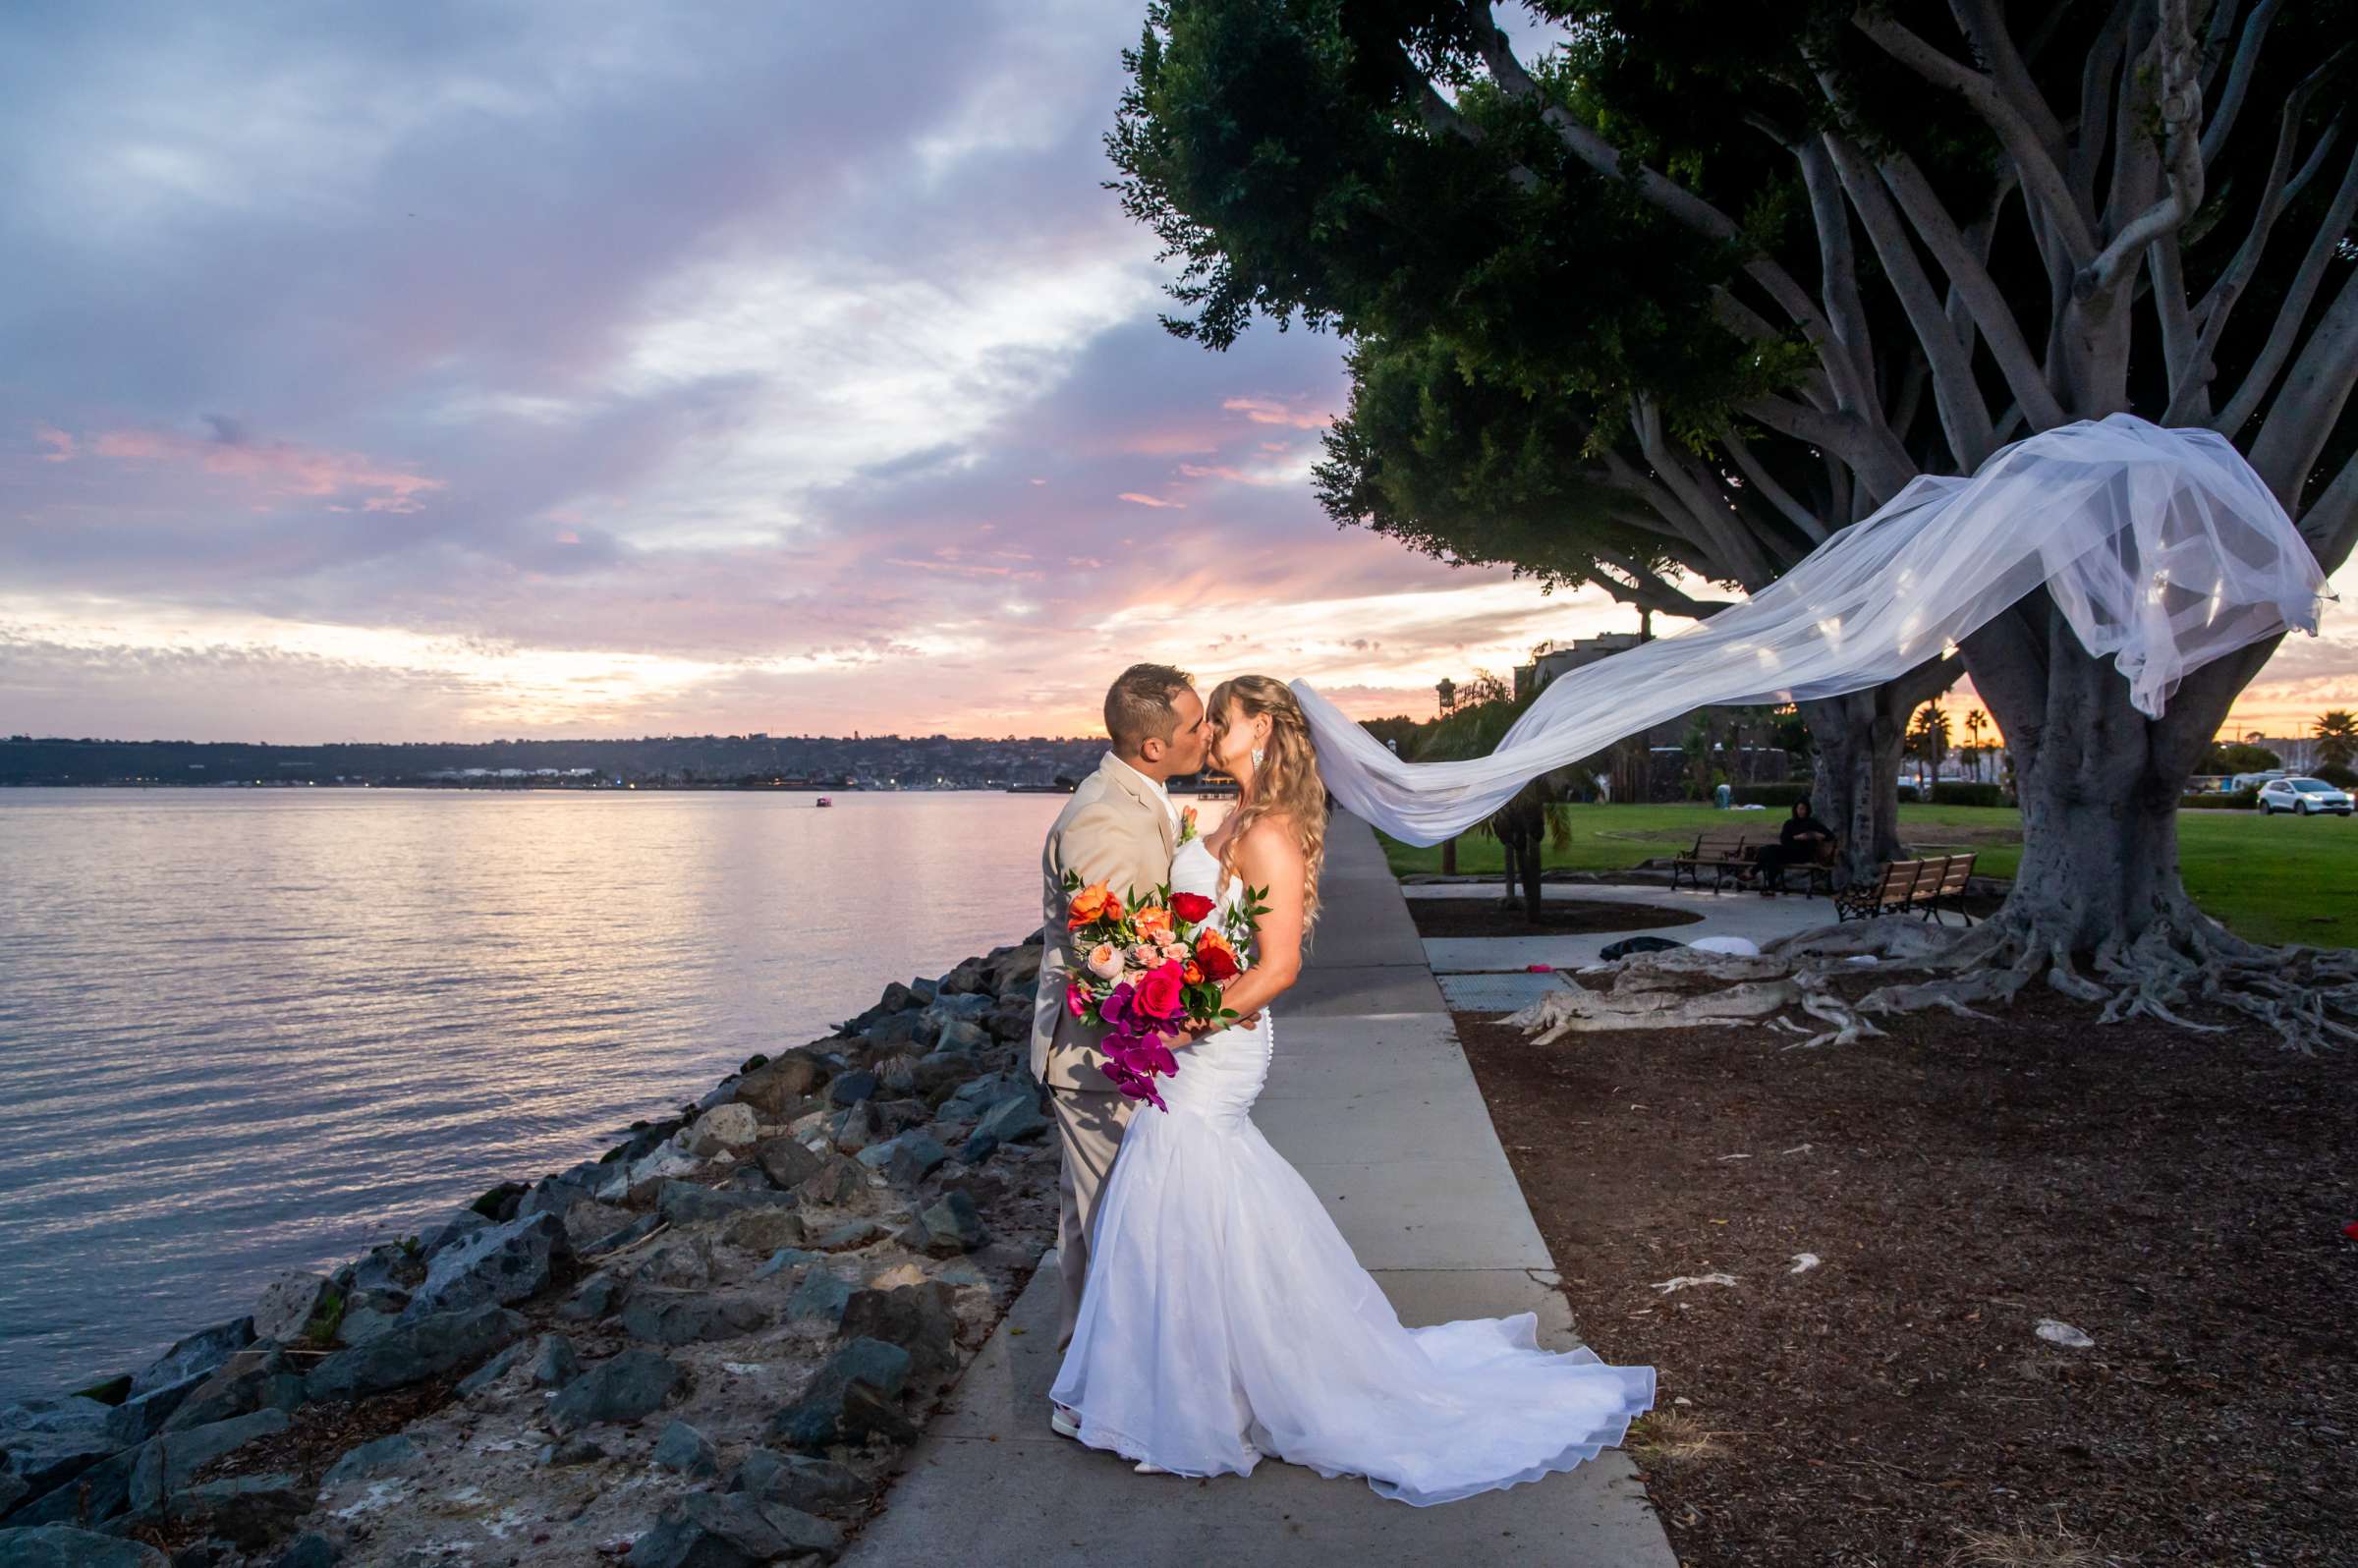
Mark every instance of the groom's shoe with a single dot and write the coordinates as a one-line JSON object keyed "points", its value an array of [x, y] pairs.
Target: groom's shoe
{"points": [[1063, 1422]]}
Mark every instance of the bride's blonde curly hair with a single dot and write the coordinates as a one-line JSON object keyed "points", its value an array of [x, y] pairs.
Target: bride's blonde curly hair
{"points": [[1286, 785]]}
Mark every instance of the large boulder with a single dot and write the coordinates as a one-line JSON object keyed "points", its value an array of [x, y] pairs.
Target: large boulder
{"points": [[248, 1511], [1015, 971], [142, 1416], [457, 1225], [951, 1226], [687, 1204], [200, 1353], [630, 1387], [850, 1088], [421, 1348], [371, 1459], [45, 1442], [923, 1320], [854, 1394], [494, 1267], [734, 1530], [591, 1226], [1012, 1120], [799, 1481], [60, 1547], [166, 1464], [685, 1318], [786, 1161], [777, 1088], [838, 1182], [819, 1298], [723, 1127], [259, 1377], [288, 1305], [684, 1449], [763, 1230], [595, 1299], [908, 1159]]}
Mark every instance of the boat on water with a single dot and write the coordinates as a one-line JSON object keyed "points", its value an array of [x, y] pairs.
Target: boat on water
{"points": [[826, 800]]}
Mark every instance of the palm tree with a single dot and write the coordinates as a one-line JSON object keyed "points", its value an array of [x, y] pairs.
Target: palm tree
{"points": [[1928, 738], [2336, 734], [1975, 722]]}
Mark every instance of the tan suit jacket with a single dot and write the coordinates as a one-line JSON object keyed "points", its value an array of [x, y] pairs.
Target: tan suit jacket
{"points": [[1118, 829]]}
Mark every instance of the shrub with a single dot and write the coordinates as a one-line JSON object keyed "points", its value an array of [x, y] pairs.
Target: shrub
{"points": [[2237, 800], [1784, 794], [1968, 795], [2342, 778]]}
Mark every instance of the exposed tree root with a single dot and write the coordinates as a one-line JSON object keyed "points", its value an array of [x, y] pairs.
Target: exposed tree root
{"points": [[2308, 995]]}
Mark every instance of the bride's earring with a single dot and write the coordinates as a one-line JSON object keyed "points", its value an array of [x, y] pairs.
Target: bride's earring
{"points": [[1257, 757]]}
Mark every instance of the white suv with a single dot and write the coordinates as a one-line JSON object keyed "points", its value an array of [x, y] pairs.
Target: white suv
{"points": [[2303, 796]]}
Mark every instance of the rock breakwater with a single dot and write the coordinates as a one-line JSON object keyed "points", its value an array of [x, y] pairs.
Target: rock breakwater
{"points": [[710, 1345]]}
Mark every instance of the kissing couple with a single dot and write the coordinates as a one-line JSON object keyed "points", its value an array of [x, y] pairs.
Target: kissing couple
{"points": [[1212, 1313]]}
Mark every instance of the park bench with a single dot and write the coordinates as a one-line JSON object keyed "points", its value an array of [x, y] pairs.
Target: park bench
{"points": [[1905, 885], [1955, 873], [1890, 893], [1721, 850]]}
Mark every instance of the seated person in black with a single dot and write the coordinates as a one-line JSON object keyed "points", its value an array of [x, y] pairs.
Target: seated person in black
{"points": [[1801, 841]]}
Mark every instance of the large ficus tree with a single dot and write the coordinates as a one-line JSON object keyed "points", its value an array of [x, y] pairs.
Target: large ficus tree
{"points": [[1714, 281]]}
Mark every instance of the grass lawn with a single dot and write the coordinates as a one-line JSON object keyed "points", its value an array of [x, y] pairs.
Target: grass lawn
{"points": [[2269, 878]]}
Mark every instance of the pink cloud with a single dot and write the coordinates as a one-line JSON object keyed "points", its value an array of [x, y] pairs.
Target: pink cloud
{"points": [[279, 468], [1137, 499], [1269, 411], [60, 444]]}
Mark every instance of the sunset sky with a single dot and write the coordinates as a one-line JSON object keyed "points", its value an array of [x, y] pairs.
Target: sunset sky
{"points": [[456, 371]]}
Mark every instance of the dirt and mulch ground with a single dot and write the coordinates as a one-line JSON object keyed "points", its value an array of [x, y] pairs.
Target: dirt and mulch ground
{"points": [[1558, 916], [2180, 1199]]}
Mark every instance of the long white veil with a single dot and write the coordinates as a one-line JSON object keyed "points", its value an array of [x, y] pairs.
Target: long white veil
{"points": [[2163, 548]]}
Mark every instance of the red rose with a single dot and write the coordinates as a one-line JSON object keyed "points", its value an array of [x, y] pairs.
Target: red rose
{"points": [[1216, 955], [1157, 996], [1191, 907]]}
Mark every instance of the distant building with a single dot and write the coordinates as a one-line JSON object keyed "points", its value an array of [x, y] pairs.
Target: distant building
{"points": [[1552, 662]]}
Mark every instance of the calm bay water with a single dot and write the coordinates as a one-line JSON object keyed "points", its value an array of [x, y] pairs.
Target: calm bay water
{"points": [[242, 1033]]}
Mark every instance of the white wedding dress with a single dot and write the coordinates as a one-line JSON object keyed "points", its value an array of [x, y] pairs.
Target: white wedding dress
{"points": [[1225, 1318]]}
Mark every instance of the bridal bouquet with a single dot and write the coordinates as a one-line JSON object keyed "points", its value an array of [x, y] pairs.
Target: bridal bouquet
{"points": [[1152, 966]]}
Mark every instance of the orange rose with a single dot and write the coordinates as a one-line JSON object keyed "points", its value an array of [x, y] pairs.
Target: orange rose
{"points": [[1192, 973], [1154, 923], [1092, 902]]}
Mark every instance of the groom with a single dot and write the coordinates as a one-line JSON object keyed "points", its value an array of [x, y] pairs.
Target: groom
{"points": [[1120, 828]]}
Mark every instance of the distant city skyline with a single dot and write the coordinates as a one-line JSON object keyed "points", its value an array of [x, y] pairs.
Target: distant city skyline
{"points": [[442, 374]]}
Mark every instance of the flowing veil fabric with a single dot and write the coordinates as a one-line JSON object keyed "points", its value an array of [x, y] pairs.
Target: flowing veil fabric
{"points": [[2163, 548]]}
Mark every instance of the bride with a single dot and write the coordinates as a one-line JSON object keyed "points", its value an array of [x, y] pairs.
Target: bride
{"points": [[1225, 1318]]}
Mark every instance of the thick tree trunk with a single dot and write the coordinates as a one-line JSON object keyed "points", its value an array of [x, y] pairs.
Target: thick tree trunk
{"points": [[1860, 738], [2098, 782]]}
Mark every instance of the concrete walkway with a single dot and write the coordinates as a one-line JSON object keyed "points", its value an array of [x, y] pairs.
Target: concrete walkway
{"points": [[1488, 975], [1371, 1099]]}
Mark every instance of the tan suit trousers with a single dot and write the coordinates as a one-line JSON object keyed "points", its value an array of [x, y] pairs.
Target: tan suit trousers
{"points": [[1089, 1127]]}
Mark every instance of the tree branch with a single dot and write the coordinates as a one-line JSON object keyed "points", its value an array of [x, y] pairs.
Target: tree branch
{"points": [[2097, 74], [2041, 178], [1675, 199], [2295, 308], [2315, 391], [2024, 378], [2181, 109], [1882, 464], [1837, 260], [1964, 416], [2330, 521], [1778, 496], [1983, 24], [2239, 78], [2191, 371], [1748, 563]]}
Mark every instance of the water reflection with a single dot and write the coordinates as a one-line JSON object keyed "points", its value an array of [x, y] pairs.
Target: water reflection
{"points": [[244, 1033]]}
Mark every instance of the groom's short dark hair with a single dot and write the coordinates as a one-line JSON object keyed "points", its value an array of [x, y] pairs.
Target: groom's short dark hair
{"points": [[1138, 705]]}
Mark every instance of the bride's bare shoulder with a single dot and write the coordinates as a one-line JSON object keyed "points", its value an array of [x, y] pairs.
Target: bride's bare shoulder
{"points": [[1270, 841]]}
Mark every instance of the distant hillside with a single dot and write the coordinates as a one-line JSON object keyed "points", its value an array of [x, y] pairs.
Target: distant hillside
{"points": [[888, 761]]}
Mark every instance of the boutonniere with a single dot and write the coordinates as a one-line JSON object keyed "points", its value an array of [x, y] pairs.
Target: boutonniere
{"points": [[1187, 824]]}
